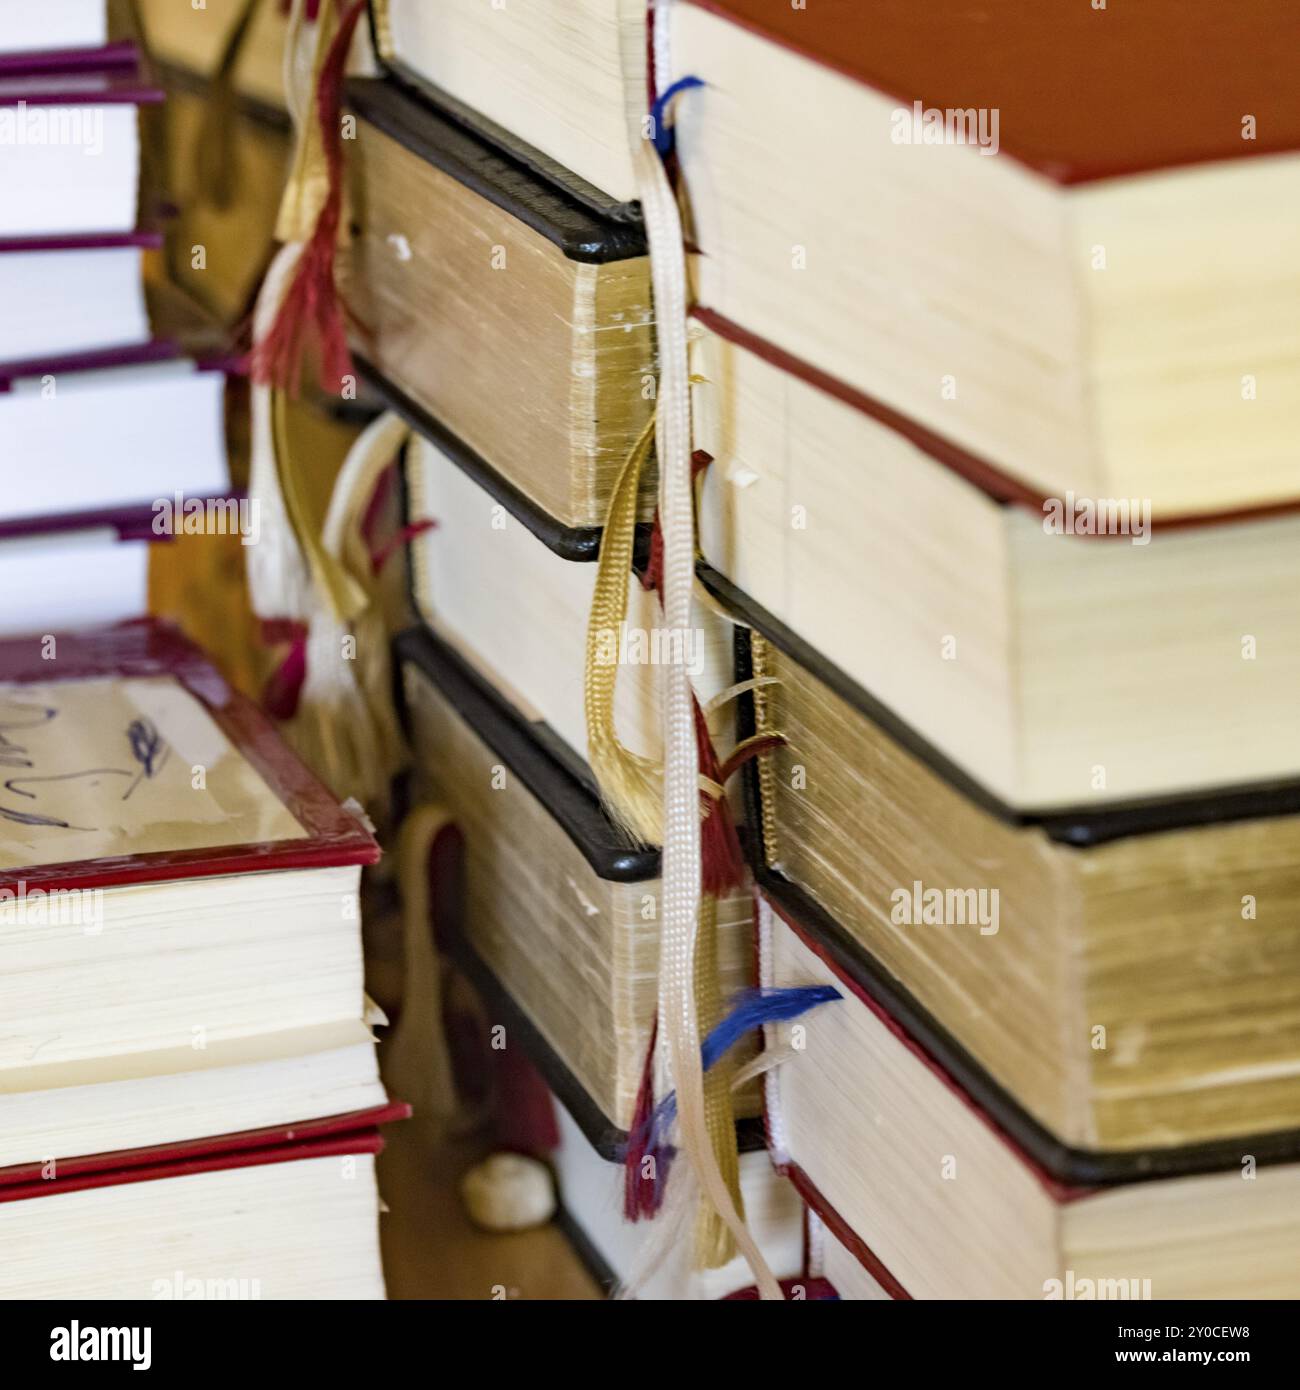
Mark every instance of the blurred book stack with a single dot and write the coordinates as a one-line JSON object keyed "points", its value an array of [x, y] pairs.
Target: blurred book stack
{"points": [[103, 410], [1002, 418], [188, 1083], [188, 1080], [222, 147], [1000, 435], [226, 142]]}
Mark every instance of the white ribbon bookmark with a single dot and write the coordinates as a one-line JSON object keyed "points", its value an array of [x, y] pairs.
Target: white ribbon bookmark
{"points": [[680, 899]]}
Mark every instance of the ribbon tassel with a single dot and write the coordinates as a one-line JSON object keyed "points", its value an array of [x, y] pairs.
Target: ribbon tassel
{"points": [[310, 308]]}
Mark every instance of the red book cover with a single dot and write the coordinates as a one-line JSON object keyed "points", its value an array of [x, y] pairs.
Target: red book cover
{"points": [[95, 360], [1084, 92], [126, 758], [354, 1133], [841, 1230], [1084, 95]]}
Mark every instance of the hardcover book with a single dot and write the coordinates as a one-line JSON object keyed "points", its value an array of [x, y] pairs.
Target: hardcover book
{"points": [[118, 558], [890, 1149], [1041, 254], [71, 294], [497, 304], [282, 1212], [1124, 973], [116, 433], [518, 610], [557, 906], [561, 84], [182, 945], [71, 144], [840, 1258], [1057, 657]]}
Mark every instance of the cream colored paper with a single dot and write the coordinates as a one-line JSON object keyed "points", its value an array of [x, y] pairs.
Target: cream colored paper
{"points": [[92, 769]]}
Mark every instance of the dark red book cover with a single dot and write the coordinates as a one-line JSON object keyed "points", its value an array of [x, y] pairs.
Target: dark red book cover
{"points": [[1083, 92], [94, 360], [353, 1133], [132, 523], [125, 757]]}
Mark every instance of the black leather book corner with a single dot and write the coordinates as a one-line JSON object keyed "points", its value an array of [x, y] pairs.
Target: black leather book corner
{"points": [[525, 154], [1079, 827], [575, 806], [552, 773], [1071, 1167], [578, 543], [490, 170]]}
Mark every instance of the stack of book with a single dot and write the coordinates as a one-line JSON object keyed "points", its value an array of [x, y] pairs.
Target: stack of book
{"points": [[997, 535], [223, 147], [227, 139], [1002, 432], [1003, 425], [111, 434], [188, 1084], [500, 281]]}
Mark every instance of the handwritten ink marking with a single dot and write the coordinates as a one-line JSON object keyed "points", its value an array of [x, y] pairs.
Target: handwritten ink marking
{"points": [[148, 748], [149, 751], [16, 785], [30, 717]]}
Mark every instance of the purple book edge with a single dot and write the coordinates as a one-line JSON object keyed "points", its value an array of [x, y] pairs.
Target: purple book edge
{"points": [[131, 355], [131, 522], [122, 54], [128, 355], [35, 79], [83, 241]]}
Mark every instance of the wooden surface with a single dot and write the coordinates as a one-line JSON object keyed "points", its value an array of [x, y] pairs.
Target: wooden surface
{"points": [[431, 1250]]}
